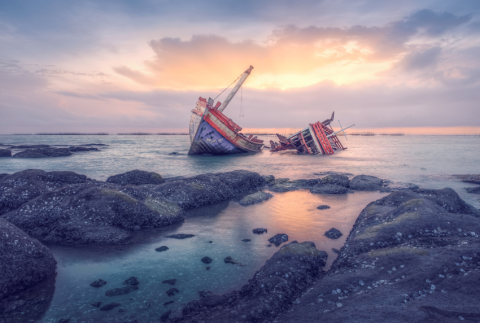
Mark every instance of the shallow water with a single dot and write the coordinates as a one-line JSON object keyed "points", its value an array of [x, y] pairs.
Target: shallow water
{"points": [[428, 161]]}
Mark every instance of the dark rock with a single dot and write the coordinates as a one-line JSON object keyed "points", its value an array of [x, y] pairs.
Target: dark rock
{"points": [[473, 190], [5, 153], [24, 261], [255, 198], [282, 188], [97, 304], [269, 179], [389, 186], [94, 145], [172, 291], [207, 268], [272, 290], [29, 146], [168, 303], [2, 175], [278, 239], [323, 207], [121, 291], [121, 310], [329, 189], [333, 233], [109, 307], [169, 281], [207, 260], [80, 148], [204, 293], [174, 153], [259, 230], [475, 179], [64, 320], [165, 316], [366, 183], [209, 241], [341, 180], [162, 248], [449, 200], [180, 236], [131, 281], [246, 240], [336, 250], [43, 153], [98, 283], [229, 260], [332, 173], [136, 177]]}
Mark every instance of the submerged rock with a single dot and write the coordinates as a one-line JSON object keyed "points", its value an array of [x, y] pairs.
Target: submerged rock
{"points": [[98, 283], [5, 153], [131, 281], [162, 248], [246, 240], [323, 207], [269, 179], [207, 260], [169, 281], [29, 146], [80, 148], [229, 260], [43, 153], [366, 183], [329, 189], [333, 233], [2, 175], [180, 236], [109, 307], [475, 179], [168, 303], [260, 230], [255, 198], [172, 291], [165, 316], [336, 250], [121, 291], [473, 190], [341, 180], [24, 261], [278, 239], [136, 177], [97, 304]]}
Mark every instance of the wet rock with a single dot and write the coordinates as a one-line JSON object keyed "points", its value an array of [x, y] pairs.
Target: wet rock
{"points": [[169, 281], [121, 310], [278, 188], [475, 179], [136, 177], [24, 261], [255, 198], [207, 268], [260, 230], [29, 146], [333, 233], [207, 260], [341, 180], [109, 307], [94, 145], [174, 153], [97, 304], [165, 316], [336, 250], [43, 153], [121, 291], [366, 183], [80, 148], [246, 240], [229, 260], [98, 283], [323, 207], [389, 186], [5, 153], [168, 303], [204, 293], [278, 239], [180, 236], [64, 320], [162, 248], [269, 179], [449, 200], [131, 281], [332, 173], [473, 190], [329, 189], [273, 288], [2, 175], [172, 291]]}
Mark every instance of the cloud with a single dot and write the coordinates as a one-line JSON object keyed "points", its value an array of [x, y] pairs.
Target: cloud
{"points": [[136, 76]]}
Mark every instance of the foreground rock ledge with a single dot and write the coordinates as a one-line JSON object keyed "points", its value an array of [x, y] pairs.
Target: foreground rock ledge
{"points": [[410, 257], [282, 279]]}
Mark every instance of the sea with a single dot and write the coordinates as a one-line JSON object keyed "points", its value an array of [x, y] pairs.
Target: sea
{"points": [[426, 161]]}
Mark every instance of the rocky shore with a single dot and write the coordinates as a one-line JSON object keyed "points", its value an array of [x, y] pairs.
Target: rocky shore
{"points": [[44, 151]]}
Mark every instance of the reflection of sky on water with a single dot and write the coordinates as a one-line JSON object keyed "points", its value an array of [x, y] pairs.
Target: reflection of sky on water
{"points": [[225, 224]]}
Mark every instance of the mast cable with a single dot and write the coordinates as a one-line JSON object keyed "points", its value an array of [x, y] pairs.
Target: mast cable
{"points": [[227, 87]]}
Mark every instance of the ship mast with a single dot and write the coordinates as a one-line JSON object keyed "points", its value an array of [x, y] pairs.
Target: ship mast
{"points": [[235, 89]]}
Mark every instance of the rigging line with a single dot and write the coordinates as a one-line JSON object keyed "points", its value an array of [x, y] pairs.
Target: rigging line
{"points": [[227, 87], [241, 101]]}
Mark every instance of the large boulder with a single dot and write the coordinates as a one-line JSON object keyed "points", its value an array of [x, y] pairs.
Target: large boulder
{"points": [[5, 153], [408, 258], [43, 153], [366, 183], [23, 261], [329, 189], [273, 288], [136, 177], [255, 198], [341, 180]]}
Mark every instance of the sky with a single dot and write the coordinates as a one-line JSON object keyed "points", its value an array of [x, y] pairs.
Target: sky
{"points": [[140, 66]]}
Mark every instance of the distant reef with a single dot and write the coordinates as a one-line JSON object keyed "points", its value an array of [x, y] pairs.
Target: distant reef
{"points": [[44, 151]]}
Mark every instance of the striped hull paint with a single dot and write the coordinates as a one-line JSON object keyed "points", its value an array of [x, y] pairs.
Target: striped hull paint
{"points": [[214, 137]]}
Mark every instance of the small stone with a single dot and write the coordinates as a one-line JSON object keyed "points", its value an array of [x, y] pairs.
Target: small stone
{"points": [[336, 250], [180, 236], [207, 268], [98, 283], [97, 304], [260, 230], [162, 248], [207, 260], [170, 281], [131, 281], [109, 307], [323, 207], [278, 239], [121, 291], [172, 291], [246, 240], [333, 233], [399, 234], [229, 260], [168, 303]]}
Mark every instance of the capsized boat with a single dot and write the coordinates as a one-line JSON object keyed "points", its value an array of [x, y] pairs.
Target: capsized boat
{"points": [[212, 132], [317, 138]]}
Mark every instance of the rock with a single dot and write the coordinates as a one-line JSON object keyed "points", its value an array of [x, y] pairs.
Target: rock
{"points": [[366, 183], [109, 307], [98, 283], [136, 177], [341, 180], [97, 304], [174, 153], [282, 188], [2, 175], [332, 173], [255, 198], [389, 186], [329, 189], [475, 179], [169, 281], [473, 190], [94, 145], [29, 146], [323, 207], [80, 148], [172, 291], [207, 260], [64, 320], [333, 233], [427, 273], [165, 316], [24, 261], [278, 239], [180, 236], [207, 268], [121, 291], [5, 153], [162, 248], [131, 281], [269, 179], [336, 250], [121, 310], [43, 153], [259, 230], [246, 240], [168, 303], [282, 279], [229, 260]]}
